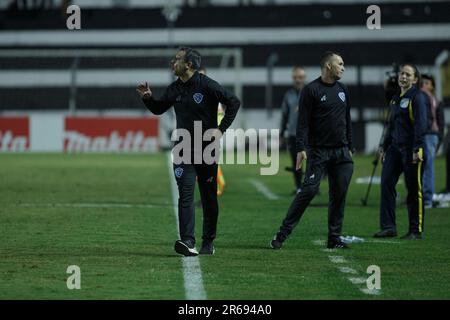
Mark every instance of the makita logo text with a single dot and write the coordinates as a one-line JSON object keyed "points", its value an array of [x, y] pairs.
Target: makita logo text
{"points": [[9, 142], [132, 142]]}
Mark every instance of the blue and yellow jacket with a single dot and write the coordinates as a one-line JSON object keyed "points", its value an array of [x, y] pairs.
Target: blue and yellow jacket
{"points": [[408, 120]]}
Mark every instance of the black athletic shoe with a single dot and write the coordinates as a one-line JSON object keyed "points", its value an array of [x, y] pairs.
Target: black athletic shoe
{"points": [[385, 234], [277, 242], [336, 244], [207, 248], [186, 249], [412, 236]]}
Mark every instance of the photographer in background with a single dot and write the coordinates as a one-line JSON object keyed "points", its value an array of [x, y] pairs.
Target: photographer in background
{"points": [[391, 87]]}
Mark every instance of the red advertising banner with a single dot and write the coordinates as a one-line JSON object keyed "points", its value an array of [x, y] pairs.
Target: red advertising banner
{"points": [[114, 134], [14, 134]]}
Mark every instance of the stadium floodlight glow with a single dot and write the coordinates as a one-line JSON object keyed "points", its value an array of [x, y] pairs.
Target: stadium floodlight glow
{"points": [[171, 11], [439, 61]]}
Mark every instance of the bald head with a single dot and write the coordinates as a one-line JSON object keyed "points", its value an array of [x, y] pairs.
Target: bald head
{"points": [[332, 65], [327, 57], [298, 77]]}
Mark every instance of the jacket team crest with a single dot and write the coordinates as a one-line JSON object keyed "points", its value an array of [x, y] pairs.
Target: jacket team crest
{"points": [[198, 97]]}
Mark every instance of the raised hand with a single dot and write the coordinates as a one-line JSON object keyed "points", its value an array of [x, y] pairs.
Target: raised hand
{"points": [[144, 90]]}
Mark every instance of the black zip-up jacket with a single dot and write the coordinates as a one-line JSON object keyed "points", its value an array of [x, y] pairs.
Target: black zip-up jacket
{"points": [[408, 120], [196, 100], [324, 116]]}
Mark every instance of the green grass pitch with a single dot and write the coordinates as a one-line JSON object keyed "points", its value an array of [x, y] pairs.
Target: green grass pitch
{"points": [[112, 215]]}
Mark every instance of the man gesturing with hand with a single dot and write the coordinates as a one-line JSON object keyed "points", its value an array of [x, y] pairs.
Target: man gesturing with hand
{"points": [[144, 90], [324, 138], [194, 97]]}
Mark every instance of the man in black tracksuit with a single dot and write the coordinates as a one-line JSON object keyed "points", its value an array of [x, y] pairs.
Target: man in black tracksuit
{"points": [[403, 153], [195, 98], [324, 136]]}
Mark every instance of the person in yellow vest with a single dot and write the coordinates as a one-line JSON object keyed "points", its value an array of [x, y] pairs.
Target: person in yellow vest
{"points": [[220, 115], [220, 177]]}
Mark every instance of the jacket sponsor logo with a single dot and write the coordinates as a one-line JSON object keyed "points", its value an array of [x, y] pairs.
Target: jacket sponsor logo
{"points": [[342, 96], [404, 103], [198, 97], [324, 98]]}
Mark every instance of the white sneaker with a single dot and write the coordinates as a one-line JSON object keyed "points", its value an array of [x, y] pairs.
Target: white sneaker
{"points": [[184, 249]]}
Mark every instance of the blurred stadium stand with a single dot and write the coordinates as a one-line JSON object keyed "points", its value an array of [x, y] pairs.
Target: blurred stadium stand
{"points": [[298, 31]]}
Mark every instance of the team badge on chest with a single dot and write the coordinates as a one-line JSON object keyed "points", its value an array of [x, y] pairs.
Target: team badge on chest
{"points": [[342, 96], [404, 103], [178, 172], [198, 97]]}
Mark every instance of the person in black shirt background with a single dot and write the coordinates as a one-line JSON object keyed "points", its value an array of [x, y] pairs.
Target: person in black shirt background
{"points": [[195, 98], [324, 137]]}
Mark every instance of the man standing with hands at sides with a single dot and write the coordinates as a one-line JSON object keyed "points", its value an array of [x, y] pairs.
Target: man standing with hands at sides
{"points": [[324, 137], [195, 98], [289, 119]]}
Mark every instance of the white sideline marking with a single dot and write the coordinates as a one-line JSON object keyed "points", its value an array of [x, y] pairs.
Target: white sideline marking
{"points": [[384, 241], [261, 187], [371, 291], [90, 205], [322, 242], [357, 280], [337, 259], [348, 270], [318, 242], [193, 282]]}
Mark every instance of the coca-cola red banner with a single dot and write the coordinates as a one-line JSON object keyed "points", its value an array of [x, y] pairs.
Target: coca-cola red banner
{"points": [[122, 134], [14, 134]]}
